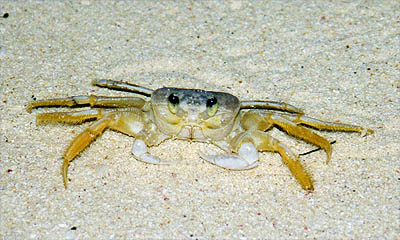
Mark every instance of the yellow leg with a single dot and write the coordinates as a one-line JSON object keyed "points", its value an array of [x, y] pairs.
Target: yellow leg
{"points": [[302, 133], [271, 105], [130, 122], [264, 142], [69, 117], [92, 100], [322, 125], [82, 141], [255, 125], [254, 121]]}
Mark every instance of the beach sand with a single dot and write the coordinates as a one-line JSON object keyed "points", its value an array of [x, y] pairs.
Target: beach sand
{"points": [[337, 60]]}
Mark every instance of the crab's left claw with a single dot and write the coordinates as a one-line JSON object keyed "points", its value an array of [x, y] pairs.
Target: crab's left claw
{"points": [[246, 158], [142, 154]]}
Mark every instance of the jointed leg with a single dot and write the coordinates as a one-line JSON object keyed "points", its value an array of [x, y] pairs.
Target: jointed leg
{"points": [[122, 86], [302, 133], [323, 125], [281, 106], [264, 142], [129, 122], [82, 141], [93, 101], [70, 117], [254, 121]]}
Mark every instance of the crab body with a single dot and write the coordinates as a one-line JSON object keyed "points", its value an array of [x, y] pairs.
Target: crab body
{"points": [[196, 115]]}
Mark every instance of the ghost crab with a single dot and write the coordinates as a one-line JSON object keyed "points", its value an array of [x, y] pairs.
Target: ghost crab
{"points": [[195, 115]]}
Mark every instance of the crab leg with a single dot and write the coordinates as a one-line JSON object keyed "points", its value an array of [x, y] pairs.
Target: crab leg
{"points": [[82, 141], [92, 100], [254, 121], [117, 85], [130, 122], [70, 117], [281, 106], [301, 132], [322, 125], [264, 142]]}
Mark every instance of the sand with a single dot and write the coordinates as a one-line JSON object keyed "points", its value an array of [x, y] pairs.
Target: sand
{"points": [[337, 60]]}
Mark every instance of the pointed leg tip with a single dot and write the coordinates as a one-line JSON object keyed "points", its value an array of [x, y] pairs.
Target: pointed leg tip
{"points": [[64, 172], [309, 189], [94, 82], [65, 180], [328, 155], [328, 159], [307, 186], [366, 131]]}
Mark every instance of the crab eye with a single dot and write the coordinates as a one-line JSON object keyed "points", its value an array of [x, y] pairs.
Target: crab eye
{"points": [[212, 106], [173, 102]]}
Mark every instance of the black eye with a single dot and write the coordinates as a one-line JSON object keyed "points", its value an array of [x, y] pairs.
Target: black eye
{"points": [[211, 102], [173, 99]]}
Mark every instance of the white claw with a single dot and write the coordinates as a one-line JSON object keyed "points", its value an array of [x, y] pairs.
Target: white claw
{"points": [[249, 152], [141, 153], [246, 159], [139, 148]]}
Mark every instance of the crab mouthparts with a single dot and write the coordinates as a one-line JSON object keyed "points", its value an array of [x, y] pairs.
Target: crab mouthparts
{"points": [[191, 132]]}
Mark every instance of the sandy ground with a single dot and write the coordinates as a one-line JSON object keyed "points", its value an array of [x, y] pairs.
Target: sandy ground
{"points": [[338, 60]]}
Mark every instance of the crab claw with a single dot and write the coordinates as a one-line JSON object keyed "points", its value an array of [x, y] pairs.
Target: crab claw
{"points": [[141, 153], [246, 158]]}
